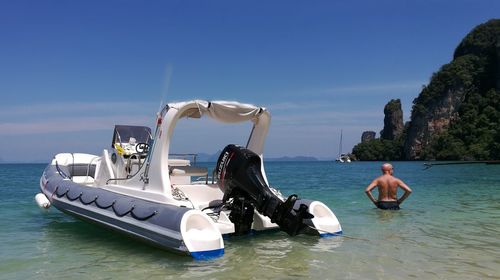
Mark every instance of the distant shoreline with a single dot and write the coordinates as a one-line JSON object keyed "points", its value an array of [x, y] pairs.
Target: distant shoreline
{"points": [[312, 159], [279, 159]]}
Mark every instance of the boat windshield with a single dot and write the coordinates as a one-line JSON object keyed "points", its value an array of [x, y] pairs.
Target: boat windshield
{"points": [[124, 133]]}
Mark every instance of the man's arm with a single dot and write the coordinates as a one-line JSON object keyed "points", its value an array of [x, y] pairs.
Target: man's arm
{"points": [[406, 189], [369, 189]]}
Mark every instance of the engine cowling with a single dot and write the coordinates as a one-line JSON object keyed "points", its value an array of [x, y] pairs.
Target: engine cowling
{"points": [[239, 176]]}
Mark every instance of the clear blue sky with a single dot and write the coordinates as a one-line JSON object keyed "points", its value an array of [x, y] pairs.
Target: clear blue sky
{"points": [[70, 70]]}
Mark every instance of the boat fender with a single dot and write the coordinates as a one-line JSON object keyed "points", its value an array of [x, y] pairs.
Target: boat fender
{"points": [[42, 201]]}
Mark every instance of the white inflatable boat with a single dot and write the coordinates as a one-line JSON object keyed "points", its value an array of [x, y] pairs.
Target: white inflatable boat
{"points": [[138, 188]]}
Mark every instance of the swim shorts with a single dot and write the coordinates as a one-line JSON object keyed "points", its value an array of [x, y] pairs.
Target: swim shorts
{"points": [[388, 205]]}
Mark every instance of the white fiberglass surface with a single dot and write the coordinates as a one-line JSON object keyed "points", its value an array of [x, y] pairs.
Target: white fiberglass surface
{"points": [[200, 233]]}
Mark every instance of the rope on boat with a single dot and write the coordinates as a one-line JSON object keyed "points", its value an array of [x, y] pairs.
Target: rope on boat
{"points": [[61, 172], [178, 194], [112, 206]]}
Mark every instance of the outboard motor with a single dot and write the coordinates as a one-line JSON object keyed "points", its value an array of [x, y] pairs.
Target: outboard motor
{"points": [[239, 176]]}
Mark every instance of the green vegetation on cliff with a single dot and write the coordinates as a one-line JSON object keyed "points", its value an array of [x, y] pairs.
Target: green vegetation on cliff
{"points": [[459, 75], [390, 144], [475, 133], [379, 149], [457, 115]]}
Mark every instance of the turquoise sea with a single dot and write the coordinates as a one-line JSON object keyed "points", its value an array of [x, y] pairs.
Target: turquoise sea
{"points": [[449, 228]]}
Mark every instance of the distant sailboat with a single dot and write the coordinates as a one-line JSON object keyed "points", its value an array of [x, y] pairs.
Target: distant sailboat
{"points": [[343, 158]]}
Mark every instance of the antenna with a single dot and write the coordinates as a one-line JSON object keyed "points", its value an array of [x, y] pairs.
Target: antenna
{"points": [[166, 85], [340, 144]]}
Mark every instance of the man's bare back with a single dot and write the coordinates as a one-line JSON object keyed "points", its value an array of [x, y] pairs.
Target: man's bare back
{"points": [[387, 189]]}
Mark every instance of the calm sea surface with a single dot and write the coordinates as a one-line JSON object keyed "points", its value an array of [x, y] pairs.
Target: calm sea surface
{"points": [[449, 228]]}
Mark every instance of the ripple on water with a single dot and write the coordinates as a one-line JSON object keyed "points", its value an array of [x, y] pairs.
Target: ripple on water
{"points": [[447, 229]]}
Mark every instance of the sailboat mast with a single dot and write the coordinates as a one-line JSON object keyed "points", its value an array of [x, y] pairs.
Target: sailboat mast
{"points": [[340, 144]]}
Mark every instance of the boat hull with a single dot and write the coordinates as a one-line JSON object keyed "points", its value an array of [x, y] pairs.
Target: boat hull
{"points": [[167, 226]]}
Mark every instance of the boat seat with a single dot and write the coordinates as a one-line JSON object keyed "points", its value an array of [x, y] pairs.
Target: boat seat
{"points": [[82, 179], [182, 174], [188, 171], [82, 170]]}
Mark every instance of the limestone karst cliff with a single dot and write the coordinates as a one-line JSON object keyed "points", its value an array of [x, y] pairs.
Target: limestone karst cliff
{"points": [[393, 120], [445, 115], [456, 116]]}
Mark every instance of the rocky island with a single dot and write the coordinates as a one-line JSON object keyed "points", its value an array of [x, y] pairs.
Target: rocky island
{"points": [[456, 116]]}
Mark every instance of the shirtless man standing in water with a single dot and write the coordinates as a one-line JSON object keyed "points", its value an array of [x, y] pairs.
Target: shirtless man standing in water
{"points": [[387, 189]]}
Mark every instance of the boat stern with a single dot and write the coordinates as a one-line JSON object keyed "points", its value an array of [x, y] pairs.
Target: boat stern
{"points": [[201, 236], [324, 223]]}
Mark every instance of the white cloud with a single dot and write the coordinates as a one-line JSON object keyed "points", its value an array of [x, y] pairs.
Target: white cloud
{"points": [[74, 108], [71, 124], [318, 116], [400, 87], [330, 117], [73, 117], [307, 127]]}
